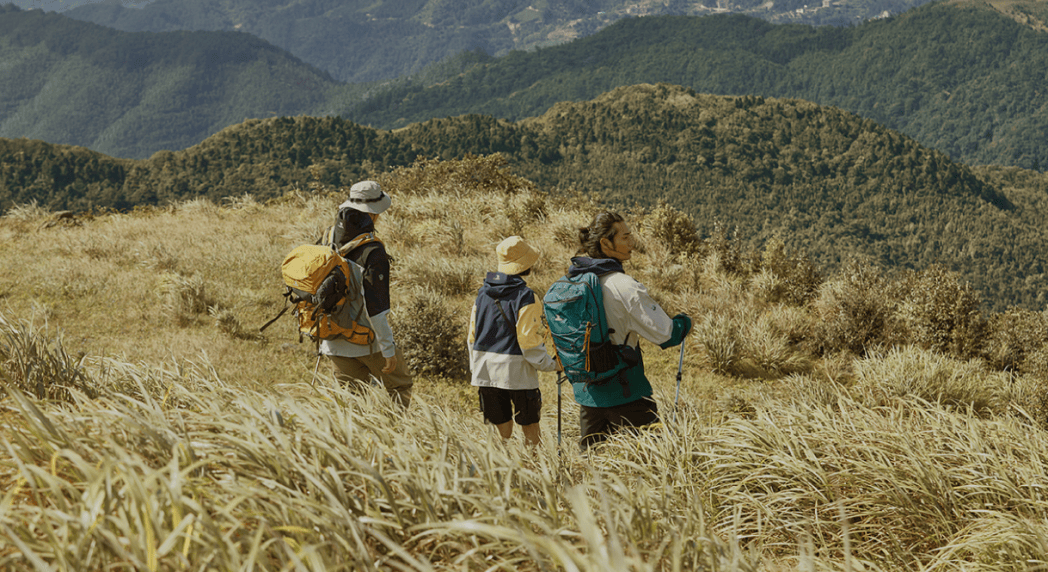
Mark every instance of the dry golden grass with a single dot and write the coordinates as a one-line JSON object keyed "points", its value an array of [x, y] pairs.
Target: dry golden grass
{"points": [[145, 424]]}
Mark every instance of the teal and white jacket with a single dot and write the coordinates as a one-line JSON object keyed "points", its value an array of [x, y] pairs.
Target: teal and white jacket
{"points": [[632, 314]]}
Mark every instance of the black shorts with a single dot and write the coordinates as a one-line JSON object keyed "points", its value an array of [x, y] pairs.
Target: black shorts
{"points": [[596, 423], [498, 404]]}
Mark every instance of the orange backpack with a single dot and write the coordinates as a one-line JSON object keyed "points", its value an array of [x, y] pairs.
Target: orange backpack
{"points": [[326, 293]]}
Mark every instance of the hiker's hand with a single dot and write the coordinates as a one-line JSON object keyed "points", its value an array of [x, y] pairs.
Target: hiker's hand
{"points": [[687, 319], [681, 329], [391, 364], [560, 366]]}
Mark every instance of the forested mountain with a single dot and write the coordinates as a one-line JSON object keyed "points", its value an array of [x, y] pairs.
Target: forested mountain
{"points": [[828, 182], [960, 77], [360, 41], [131, 94]]}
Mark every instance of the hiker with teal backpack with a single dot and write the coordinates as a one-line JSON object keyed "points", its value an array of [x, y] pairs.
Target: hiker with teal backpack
{"points": [[353, 235], [506, 344], [597, 314]]}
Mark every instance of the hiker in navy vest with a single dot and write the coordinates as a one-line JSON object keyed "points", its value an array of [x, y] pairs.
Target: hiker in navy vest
{"points": [[604, 245], [354, 235], [506, 349]]}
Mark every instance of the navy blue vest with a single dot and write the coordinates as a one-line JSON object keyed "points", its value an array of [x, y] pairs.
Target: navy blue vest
{"points": [[498, 305]]}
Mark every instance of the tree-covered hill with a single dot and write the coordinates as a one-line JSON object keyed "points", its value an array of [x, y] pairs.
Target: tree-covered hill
{"points": [[827, 182], [131, 94], [961, 77], [361, 41], [965, 78]]}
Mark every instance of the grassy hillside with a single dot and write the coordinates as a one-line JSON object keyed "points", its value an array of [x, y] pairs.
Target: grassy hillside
{"points": [[824, 422], [820, 179]]}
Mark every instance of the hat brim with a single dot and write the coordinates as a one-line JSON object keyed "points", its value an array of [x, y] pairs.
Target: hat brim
{"points": [[521, 264], [376, 207]]}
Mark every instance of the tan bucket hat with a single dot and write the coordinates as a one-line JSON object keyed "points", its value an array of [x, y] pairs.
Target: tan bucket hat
{"points": [[515, 255]]}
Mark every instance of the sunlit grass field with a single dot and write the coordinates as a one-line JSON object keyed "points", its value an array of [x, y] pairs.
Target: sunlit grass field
{"points": [[146, 424]]}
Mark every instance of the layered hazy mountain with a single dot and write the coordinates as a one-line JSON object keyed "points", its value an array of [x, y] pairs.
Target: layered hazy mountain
{"points": [[357, 40], [965, 78]]}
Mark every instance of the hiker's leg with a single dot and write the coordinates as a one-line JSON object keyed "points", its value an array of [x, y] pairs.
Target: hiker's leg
{"points": [[505, 429], [528, 403], [593, 425], [351, 373], [633, 414], [531, 434], [398, 384], [497, 408]]}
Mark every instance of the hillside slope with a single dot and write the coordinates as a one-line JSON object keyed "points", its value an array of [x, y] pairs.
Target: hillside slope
{"points": [[963, 77], [391, 39], [129, 95], [825, 181], [148, 424]]}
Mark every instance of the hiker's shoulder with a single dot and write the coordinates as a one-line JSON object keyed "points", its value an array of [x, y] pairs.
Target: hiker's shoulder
{"points": [[369, 253], [527, 295], [620, 280]]}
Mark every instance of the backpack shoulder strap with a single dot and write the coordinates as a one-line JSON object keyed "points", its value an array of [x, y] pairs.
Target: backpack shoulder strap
{"points": [[498, 305], [366, 238]]}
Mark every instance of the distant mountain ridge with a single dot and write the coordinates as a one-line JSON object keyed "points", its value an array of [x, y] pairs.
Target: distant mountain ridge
{"points": [[373, 40], [825, 181], [131, 94], [962, 77]]}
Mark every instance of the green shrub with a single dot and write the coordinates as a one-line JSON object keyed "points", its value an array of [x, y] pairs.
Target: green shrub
{"points": [[673, 228], [941, 314], [724, 253], [1015, 339], [433, 335], [853, 311], [793, 279], [483, 174]]}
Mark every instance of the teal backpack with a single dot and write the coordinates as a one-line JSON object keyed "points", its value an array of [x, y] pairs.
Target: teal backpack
{"points": [[574, 308]]}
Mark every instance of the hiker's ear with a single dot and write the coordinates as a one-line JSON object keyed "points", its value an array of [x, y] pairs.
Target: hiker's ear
{"points": [[606, 245]]}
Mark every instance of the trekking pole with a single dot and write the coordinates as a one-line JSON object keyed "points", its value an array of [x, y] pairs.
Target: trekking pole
{"points": [[316, 368], [560, 379], [680, 368]]}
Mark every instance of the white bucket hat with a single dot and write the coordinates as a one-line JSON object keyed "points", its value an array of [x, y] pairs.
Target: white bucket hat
{"points": [[367, 196], [515, 255]]}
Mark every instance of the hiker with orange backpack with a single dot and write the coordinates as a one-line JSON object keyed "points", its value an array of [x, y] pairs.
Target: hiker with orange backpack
{"points": [[353, 235]]}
